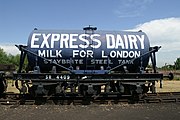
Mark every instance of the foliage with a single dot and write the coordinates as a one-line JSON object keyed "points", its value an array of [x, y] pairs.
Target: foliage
{"points": [[3, 57], [177, 64], [9, 59], [168, 67]]}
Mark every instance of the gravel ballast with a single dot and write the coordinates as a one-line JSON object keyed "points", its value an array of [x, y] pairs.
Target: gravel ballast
{"points": [[160, 111]]}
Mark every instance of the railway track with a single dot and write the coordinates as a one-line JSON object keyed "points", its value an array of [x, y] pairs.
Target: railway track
{"points": [[161, 97], [19, 99]]}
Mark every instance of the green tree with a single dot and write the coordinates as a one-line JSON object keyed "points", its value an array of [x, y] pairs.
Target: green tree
{"points": [[14, 59], [177, 64], [3, 57], [11, 59]]}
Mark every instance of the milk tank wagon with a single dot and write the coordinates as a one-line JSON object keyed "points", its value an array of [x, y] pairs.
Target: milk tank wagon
{"points": [[87, 62]]}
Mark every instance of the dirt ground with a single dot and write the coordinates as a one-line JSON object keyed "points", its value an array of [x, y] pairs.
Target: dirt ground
{"points": [[168, 111], [169, 86]]}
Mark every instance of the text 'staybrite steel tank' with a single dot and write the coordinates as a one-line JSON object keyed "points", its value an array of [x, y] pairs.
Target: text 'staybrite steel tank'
{"points": [[87, 51]]}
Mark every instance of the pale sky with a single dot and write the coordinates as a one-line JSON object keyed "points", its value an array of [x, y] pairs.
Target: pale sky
{"points": [[159, 19]]}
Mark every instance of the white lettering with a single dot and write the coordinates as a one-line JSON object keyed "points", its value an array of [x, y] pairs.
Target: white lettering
{"points": [[103, 56], [112, 54], [50, 53], [126, 41], [72, 40], [64, 40], [75, 53], [54, 37], [133, 41], [45, 41], [110, 41], [89, 53], [58, 53], [95, 40], [42, 53], [34, 39], [141, 39], [124, 54], [119, 42], [86, 42], [82, 54]]}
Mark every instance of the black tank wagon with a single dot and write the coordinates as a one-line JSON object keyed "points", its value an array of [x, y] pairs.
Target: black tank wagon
{"points": [[81, 50], [87, 62]]}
